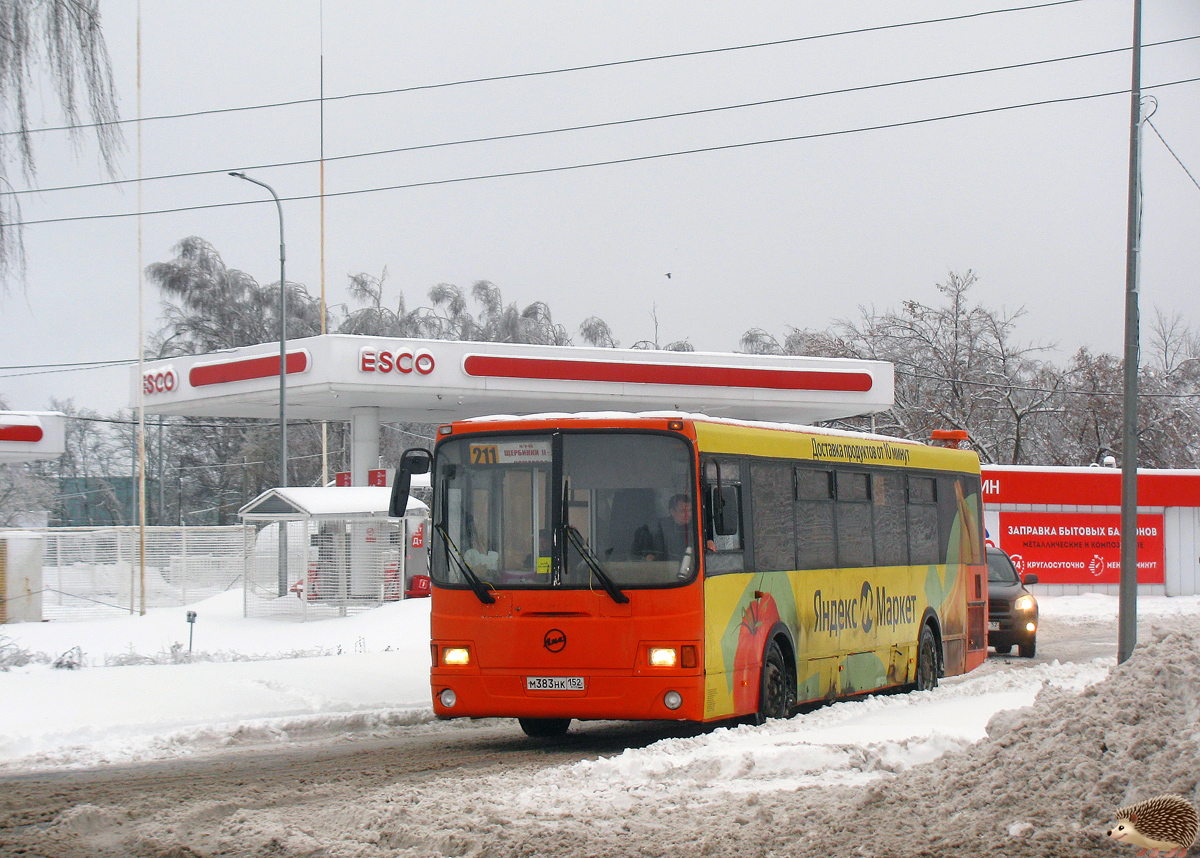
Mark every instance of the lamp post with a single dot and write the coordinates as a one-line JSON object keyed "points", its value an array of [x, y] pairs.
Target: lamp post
{"points": [[283, 480], [283, 448]]}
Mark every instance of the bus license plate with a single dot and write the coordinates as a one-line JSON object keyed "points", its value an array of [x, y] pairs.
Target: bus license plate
{"points": [[554, 683], [993, 625]]}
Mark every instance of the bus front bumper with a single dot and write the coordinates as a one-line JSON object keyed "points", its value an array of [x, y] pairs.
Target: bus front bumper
{"points": [[609, 696]]}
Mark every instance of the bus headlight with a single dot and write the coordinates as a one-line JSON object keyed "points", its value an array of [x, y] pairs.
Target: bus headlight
{"points": [[448, 698], [1025, 603], [457, 656], [661, 656]]}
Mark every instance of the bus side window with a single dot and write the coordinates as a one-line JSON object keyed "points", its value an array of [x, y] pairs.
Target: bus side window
{"points": [[773, 537], [816, 547], [723, 518], [891, 537], [855, 539], [922, 520]]}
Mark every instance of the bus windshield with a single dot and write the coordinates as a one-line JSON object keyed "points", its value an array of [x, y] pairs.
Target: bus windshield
{"points": [[503, 504]]}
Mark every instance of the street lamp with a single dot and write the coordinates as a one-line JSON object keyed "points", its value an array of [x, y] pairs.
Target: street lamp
{"points": [[283, 480], [283, 449]]}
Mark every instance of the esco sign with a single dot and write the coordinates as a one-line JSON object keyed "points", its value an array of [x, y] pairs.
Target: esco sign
{"points": [[403, 361], [163, 381]]}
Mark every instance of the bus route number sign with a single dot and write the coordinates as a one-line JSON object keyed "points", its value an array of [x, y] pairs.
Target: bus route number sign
{"points": [[484, 454], [511, 453]]}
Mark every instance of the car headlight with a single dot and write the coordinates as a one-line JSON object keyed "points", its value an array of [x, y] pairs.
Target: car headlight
{"points": [[1025, 603]]}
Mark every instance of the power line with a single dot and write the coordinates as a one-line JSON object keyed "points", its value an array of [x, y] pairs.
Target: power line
{"points": [[54, 371], [44, 369], [547, 72], [1173, 155], [609, 162], [84, 363], [1031, 389], [596, 125]]}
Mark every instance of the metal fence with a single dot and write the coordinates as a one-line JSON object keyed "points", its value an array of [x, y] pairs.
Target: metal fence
{"points": [[334, 566], [90, 572]]}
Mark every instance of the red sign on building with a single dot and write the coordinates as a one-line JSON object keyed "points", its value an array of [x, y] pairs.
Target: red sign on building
{"points": [[1079, 548]]}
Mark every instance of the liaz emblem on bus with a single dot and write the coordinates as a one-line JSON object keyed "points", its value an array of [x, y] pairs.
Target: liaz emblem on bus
{"points": [[510, 453]]}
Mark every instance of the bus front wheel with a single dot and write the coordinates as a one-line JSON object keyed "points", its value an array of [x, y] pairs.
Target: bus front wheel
{"points": [[776, 693], [544, 728], [927, 661]]}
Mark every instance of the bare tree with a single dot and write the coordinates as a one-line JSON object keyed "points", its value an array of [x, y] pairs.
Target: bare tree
{"points": [[957, 367], [62, 41]]}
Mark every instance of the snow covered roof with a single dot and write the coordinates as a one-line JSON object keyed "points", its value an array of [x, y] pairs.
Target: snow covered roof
{"points": [[311, 502]]}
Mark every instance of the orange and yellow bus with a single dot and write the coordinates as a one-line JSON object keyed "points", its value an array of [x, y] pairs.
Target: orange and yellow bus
{"points": [[693, 568]]}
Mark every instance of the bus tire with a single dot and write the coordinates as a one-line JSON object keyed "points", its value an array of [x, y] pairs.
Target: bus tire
{"points": [[544, 728], [777, 690], [927, 660]]}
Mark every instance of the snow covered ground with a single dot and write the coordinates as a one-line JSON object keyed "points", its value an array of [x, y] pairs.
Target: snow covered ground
{"points": [[260, 680]]}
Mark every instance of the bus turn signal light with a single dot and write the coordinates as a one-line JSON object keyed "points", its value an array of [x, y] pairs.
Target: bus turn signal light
{"points": [[687, 656]]}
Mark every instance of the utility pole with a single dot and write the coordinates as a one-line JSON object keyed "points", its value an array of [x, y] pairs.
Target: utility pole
{"points": [[1127, 606]]}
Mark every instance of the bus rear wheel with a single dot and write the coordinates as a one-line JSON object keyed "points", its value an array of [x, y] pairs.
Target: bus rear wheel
{"points": [[927, 661], [544, 728], [777, 691]]}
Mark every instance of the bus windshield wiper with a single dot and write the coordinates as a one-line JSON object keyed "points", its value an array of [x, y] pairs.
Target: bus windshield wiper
{"points": [[481, 589], [576, 539]]}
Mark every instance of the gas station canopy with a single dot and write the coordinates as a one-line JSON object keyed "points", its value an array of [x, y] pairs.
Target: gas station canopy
{"points": [[29, 435], [369, 380], [435, 381]]}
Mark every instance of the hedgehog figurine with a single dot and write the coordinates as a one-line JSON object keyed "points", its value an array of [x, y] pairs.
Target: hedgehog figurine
{"points": [[1164, 824]]}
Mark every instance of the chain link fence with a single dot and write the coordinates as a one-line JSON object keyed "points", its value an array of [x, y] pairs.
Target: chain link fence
{"points": [[88, 572]]}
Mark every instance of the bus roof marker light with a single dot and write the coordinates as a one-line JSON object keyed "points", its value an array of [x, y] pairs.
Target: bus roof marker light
{"points": [[675, 425], [445, 430]]}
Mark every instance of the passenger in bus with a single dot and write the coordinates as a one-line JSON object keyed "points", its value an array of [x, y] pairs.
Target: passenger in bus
{"points": [[668, 537]]}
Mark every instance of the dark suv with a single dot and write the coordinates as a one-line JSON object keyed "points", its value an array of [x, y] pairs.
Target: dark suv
{"points": [[1012, 610]]}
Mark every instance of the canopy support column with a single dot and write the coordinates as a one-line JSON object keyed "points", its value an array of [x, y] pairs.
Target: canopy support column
{"points": [[364, 444]]}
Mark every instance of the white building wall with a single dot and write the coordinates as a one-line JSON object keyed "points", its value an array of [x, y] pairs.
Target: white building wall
{"points": [[1181, 547]]}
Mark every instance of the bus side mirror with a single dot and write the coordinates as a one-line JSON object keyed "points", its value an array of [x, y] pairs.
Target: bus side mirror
{"points": [[726, 512], [413, 461]]}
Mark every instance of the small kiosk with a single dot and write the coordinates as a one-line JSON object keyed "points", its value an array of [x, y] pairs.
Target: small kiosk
{"points": [[342, 552], [26, 436]]}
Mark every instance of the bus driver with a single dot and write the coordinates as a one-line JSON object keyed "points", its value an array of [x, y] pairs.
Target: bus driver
{"points": [[668, 537]]}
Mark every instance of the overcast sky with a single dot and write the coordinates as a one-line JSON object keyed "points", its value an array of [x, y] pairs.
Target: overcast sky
{"points": [[795, 233]]}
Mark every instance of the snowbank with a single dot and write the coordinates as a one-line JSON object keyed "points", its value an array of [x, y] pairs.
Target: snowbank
{"points": [[248, 681]]}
